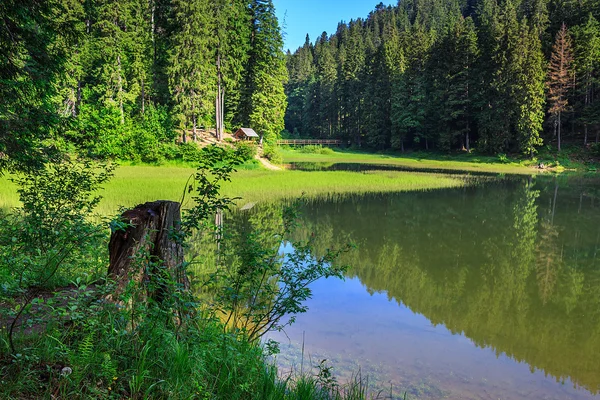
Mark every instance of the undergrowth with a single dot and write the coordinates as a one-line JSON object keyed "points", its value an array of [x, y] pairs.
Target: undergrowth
{"points": [[64, 336]]}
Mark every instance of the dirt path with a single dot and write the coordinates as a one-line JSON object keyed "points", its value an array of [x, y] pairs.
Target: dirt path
{"points": [[267, 164]]}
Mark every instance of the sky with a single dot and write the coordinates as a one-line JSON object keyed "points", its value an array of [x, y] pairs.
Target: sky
{"points": [[299, 17]]}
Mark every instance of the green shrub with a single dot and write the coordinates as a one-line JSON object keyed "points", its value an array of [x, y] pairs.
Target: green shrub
{"points": [[503, 158], [272, 153], [246, 150], [189, 152], [316, 149]]}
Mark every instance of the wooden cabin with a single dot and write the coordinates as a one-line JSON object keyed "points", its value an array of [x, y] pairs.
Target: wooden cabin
{"points": [[245, 134]]}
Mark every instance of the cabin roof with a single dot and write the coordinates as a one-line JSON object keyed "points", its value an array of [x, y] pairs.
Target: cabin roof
{"points": [[248, 132]]}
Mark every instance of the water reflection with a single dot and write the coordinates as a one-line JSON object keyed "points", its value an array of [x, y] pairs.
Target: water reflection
{"points": [[491, 291]]}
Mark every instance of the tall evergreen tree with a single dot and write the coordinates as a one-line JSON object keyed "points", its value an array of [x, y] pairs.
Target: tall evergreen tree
{"points": [[587, 63], [232, 25], [560, 77], [192, 69], [32, 60], [529, 89], [265, 96]]}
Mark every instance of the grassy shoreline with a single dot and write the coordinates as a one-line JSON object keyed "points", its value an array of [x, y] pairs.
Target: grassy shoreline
{"points": [[134, 185], [463, 162]]}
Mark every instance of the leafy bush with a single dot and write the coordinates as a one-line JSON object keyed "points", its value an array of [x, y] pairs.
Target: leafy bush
{"points": [[272, 153], [316, 149], [189, 152], [170, 347], [51, 239], [595, 149], [503, 158], [246, 150]]}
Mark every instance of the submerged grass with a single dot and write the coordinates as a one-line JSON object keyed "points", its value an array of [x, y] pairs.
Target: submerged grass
{"points": [[134, 185], [460, 162]]}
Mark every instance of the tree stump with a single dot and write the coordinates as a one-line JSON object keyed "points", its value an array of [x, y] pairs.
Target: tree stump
{"points": [[147, 248]]}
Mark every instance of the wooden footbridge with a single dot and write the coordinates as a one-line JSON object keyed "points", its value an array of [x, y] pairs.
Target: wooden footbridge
{"points": [[304, 142]]}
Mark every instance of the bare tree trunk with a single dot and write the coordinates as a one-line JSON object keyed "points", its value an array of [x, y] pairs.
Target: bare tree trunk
{"points": [[78, 102], [219, 105], [120, 90], [194, 131], [145, 250], [585, 134], [143, 94], [468, 138]]}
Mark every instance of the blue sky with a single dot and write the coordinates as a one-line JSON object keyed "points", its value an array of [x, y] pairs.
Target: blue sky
{"points": [[315, 16]]}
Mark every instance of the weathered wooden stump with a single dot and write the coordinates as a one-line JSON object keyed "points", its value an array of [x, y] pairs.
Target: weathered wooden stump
{"points": [[146, 248]]}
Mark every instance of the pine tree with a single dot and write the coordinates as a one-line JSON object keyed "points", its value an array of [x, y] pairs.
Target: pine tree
{"points": [[192, 69], [326, 78], [110, 48], [33, 55], [265, 96], [451, 81], [587, 62], [560, 77], [140, 48], [232, 25], [529, 89]]}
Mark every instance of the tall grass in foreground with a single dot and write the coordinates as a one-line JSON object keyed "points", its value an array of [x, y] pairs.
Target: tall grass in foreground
{"points": [[134, 185]]}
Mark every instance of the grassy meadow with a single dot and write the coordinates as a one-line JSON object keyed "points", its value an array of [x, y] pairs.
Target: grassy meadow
{"points": [[133, 185]]}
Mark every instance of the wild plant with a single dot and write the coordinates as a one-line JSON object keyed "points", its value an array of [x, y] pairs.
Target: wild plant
{"points": [[51, 238]]}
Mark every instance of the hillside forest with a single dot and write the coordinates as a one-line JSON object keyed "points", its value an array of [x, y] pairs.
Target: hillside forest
{"points": [[136, 79], [128, 79], [502, 76]]}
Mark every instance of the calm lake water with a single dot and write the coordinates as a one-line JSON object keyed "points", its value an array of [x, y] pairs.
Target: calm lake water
{"points": [[486, 292]]}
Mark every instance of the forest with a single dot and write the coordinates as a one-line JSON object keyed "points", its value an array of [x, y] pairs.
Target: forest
{"points": [[501, 76], [125, 78]]}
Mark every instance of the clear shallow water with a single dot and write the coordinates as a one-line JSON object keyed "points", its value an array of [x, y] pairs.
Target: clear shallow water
{"points": [[485, 292]]}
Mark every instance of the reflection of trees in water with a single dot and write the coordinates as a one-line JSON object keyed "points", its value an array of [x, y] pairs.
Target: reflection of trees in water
{"points": [[513, 265]]}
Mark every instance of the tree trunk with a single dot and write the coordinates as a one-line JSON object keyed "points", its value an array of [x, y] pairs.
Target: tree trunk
{"points": [[585, 137], [143, 94], [145, 250], [194, 132], [120, 91], [468, 137]]}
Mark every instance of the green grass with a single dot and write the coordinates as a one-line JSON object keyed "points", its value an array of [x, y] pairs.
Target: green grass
{"points": [[134, 185], [459, 162]]}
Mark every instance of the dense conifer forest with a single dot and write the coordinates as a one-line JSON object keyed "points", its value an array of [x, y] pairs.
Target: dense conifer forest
{"points": [[499, 75], [124, 78]]}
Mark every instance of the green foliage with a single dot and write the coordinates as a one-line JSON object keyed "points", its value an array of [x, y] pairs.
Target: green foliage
{"points": [[34, 41], [316, 149], [246, 150], [265, 100], [90, 347], [272, 153], [258, 288], [51, 239], [439, 76]]}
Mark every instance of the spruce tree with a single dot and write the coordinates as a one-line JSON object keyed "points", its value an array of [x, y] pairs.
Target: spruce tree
{"points": [[529, 89], [232, 31], [34, 44], [265, 100], [587, 63], [192, 70], [560, 77]]}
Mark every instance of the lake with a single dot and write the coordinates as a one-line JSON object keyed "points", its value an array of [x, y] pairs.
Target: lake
{"points": [[491, 291]]}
